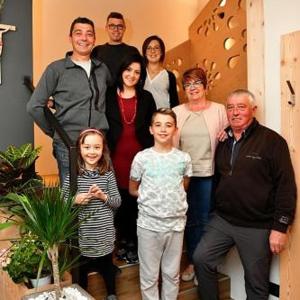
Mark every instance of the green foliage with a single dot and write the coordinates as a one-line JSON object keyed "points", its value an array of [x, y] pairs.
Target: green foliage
{"points": [[25, 258], [52, 218], [17, 173], [48, 215]]}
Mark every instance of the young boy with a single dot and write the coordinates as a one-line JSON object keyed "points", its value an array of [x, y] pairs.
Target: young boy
{"points": [[159, 178]]}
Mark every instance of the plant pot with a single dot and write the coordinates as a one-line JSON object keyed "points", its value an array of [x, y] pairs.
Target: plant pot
{"points": [[41, 281], [74, 287], [14, 291]]}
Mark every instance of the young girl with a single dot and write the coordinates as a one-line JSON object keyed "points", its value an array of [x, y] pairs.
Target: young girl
{"points": [[128, 109], [98, 196], [159, 81]]}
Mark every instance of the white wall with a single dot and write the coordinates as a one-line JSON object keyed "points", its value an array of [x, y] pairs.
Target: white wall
{"points": [[281, 17]]}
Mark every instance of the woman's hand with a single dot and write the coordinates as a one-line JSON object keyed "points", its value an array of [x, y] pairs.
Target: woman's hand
{"points": [[222, 136]]}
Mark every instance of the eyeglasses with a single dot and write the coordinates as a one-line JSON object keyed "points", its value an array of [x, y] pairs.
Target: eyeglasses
{"points": [[195, 84], [156, 48], [114, 26]]}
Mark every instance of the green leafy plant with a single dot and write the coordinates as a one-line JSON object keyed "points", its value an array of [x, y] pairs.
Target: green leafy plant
{"points": [[17, 169], [17, 175], [26, 259], [53, 219]]}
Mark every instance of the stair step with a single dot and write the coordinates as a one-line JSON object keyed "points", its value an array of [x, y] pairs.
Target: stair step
{"points": [[128, 288]]}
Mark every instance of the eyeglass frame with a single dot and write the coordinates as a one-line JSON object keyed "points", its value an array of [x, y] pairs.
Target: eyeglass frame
{"points": [[194, 84], [156, 48], [119, 27]]}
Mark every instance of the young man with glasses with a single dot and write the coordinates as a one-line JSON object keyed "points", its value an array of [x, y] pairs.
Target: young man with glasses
{"points": [[113, 52]]}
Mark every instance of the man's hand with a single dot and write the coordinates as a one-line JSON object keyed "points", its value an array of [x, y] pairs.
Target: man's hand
{"points": [[277, 241]]}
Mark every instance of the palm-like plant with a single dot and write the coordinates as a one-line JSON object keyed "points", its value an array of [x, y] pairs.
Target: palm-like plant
{"points": [[53, 219]]}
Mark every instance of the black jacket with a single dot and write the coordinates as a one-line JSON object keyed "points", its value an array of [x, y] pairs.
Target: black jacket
{"points": [[258, 189], [174, 100], [145, 108]]}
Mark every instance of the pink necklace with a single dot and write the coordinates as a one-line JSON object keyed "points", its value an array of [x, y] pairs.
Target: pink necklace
{"points": [[128, 122]]}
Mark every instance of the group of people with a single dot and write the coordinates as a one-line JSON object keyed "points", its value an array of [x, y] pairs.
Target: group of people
{"points": [[157, 170]]}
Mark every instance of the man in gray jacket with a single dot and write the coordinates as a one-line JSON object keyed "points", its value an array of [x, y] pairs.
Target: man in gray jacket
{"points": [[77, 84]]}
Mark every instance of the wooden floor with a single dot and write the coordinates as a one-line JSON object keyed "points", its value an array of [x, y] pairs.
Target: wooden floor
{"points": [[127, 284]]}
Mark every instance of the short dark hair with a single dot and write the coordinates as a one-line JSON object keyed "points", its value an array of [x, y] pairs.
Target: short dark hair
{"points": [[81, 20], [126, 62], [195, 74], [164, 111], [146, 43], [115, 15]]}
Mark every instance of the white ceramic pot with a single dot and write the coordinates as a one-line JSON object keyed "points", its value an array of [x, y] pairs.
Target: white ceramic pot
{"points": [[41, 282]]}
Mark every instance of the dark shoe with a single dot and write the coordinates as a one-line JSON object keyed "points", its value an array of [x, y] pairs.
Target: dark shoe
{"points": [[132, 257], [121, 254]]}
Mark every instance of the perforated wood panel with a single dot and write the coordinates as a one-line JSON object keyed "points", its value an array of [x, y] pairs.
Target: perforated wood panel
{"points": [[218, 44], [177, 61]]}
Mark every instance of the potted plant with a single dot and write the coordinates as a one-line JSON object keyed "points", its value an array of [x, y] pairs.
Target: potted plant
{"points": [[26, 259], [53, 219]]}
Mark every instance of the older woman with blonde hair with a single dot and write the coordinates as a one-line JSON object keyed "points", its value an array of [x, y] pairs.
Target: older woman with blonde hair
{"points": [[200, 123]]}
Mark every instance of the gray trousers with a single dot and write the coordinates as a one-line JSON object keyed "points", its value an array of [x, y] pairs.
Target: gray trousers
{"points": [[253, 248], [159, 251]]}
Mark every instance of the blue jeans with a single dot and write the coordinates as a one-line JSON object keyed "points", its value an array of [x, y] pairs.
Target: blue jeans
{"points": [[61, 154], [199, 201]]}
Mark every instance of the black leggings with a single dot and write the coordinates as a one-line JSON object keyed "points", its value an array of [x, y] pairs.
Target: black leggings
{"points": [[104, 266], [125, 219]]}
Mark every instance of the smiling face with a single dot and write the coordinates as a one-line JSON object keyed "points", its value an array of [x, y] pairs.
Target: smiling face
{"points": [[194, 90], [131, 75], [115, 29], [153, 52], [82, 39], [163, 128], [240, 112], [91, 150]]}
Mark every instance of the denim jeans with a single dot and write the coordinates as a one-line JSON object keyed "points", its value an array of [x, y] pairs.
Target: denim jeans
{"points": [[61, 154], [199, 201]]}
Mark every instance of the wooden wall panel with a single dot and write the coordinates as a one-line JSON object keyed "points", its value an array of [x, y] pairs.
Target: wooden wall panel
{"points": [[290, 121], [218, 43], [256, 55], [178, 60]]}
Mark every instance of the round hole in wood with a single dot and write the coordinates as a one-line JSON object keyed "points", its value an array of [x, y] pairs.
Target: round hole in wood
{"points": [[232, 22], [229, 43], [233, 61]]}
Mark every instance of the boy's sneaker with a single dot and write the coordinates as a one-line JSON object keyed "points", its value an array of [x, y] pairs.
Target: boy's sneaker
{"points": [[132, 257]]}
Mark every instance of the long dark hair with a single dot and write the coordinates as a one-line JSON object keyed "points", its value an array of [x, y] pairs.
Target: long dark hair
{"points": [[104, 164], [127, 61]]}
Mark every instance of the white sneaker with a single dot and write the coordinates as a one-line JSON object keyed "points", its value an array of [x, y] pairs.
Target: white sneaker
{"points": [[195, 281], [188, 276]]}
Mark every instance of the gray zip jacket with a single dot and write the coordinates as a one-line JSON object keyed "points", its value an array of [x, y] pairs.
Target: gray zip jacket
{"points": [[79, 100]]}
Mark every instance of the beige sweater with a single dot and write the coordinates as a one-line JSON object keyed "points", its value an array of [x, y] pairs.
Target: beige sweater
{"points": [[215, 118]]}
